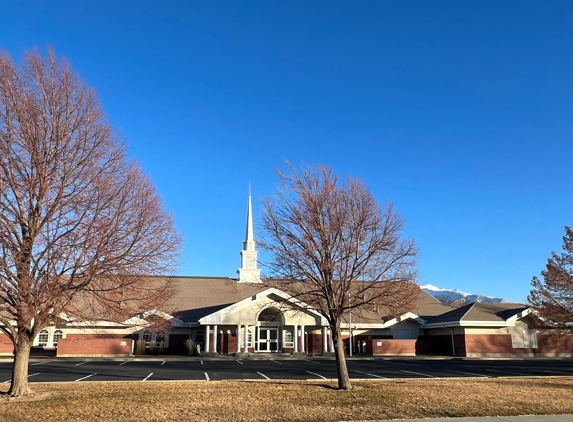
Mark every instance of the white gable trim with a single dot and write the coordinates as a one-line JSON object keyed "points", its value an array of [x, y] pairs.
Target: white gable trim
{"points": [[217, 317]]}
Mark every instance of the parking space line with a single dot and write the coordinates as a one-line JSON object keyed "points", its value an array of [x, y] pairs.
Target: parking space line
{"points": [[372, 375], [207, 376], [557, 372], [280, 363], [467, 373], [147, 377], [40, 363], [508, 372], [418, 373], [162, 363], [318, 375], [238, 361], [201, 362], [79, 379], [123, 363], [312, 361], [263, 375], [81, 363]]}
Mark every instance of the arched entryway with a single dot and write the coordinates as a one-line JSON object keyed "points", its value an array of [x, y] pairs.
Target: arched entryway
{"points": [[269, 338]]}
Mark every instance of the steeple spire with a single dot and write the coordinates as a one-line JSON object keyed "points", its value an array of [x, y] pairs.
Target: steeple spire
{"points": [[249, 273]]}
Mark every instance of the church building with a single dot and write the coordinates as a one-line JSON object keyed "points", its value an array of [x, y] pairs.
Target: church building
{"points": [[242, 317]]}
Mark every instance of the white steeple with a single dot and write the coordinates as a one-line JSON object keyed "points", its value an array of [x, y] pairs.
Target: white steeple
{"points": [[249, 273]]}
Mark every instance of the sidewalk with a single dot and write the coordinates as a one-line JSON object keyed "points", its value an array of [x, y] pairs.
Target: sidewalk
{"points": [[539, 418]]}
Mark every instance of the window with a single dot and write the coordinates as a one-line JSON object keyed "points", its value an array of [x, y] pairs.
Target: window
{"points": [[43, 338], [148, 338], [249, 338], [160, 339], [58, 334], [270, 315], [289, 341], [199, 337]]}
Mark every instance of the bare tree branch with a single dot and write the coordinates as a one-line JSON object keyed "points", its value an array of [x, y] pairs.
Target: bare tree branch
{"points": [[79, 224], [334, 248]]}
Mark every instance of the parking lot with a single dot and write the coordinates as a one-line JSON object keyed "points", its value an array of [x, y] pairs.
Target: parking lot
{"points": [[86, 370]]}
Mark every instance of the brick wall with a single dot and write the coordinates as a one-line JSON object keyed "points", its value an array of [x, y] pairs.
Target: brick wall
{"points": [[70, 346], [391, 347], [6, 346]]}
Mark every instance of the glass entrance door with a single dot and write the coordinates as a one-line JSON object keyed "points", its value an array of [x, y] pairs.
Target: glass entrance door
{"points": [[268, 339]]}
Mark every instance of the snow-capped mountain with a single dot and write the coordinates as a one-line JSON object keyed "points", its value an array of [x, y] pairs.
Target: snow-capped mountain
{"points": [[457, 297]]}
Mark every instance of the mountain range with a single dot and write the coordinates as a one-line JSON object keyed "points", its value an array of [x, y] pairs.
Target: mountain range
{"points": [[458, 298]]}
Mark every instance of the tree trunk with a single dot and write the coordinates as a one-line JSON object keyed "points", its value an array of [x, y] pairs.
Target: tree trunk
{"points": [[341, 368], [19, 386]]}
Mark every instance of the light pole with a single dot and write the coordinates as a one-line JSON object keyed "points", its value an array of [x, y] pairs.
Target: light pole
{"points": [[349, 325]]}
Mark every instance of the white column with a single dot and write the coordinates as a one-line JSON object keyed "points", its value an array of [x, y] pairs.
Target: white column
{"points": [[302, 339], [324, 339], [215, 335], [207, 342], [246, 338], [331, 343], [256, 339], [238, 338], [295, 338]]}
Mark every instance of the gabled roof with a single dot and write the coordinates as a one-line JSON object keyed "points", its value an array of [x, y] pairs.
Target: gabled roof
{"points": [[197, 297], [480, 314]]}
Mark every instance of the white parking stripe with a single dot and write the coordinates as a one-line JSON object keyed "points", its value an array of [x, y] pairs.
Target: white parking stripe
{"points": [[238, 361], [508, 372], [467, 373], [263, 375], [318, 375], [280, 363], [162, 363], [313, 361], [123, 363], [81, 363], [147, 377], [207, 376], [419, 373], [201, 362], [372, 375], [40, 363], [557, 372], [79, 379], [33, 375]]}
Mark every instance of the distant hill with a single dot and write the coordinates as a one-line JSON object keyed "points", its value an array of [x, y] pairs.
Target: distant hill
{"points": [[458, 298]]}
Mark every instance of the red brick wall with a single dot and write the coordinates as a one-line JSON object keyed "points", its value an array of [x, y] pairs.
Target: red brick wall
{"points": [[70, 346], [5, 344], [501, 343], [391, 347]]}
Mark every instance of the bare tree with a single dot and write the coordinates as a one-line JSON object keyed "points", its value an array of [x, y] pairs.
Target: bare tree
{"points": [[79, 223], [335, 249], [552, 298]]}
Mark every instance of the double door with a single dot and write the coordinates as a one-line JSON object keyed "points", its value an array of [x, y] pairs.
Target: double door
{"points": [[268, 340]]}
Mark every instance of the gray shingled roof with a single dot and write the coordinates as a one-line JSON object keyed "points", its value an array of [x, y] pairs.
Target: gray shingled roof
{"points": [[477, 311], [196, 297]]}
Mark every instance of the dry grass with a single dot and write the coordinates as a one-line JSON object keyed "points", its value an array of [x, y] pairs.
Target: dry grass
{"points": [[287, 401]]}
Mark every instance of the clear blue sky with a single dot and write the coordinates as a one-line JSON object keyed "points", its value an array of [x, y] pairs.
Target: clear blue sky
{"points": [[460, 113]]}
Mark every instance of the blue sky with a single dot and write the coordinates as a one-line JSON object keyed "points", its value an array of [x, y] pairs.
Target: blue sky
{"points": [[457, 112]]}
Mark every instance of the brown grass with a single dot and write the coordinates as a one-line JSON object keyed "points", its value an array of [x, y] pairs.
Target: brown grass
{"points": [[289, 401]]}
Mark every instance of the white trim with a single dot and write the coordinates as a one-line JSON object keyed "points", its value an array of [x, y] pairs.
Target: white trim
{"points": [[217, 317]]}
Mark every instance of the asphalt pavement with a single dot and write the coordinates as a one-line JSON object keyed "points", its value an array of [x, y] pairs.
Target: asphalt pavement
{"points": [[278, 368]]}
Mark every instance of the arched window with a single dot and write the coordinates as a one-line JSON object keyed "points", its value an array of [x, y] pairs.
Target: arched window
{"points": [[43, 338], [148, 338], [58, 334], [160, 339], [199, 337], [270, 315]]}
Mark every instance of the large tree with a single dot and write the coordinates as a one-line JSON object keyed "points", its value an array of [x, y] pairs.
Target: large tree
{"points": [[79, 224], [336, 249], [552, 297]]}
